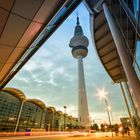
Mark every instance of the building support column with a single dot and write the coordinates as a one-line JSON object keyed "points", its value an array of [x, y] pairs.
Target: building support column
{"points": [[42, 118], [129, 112], [125, 60], [18, 118], [52, 120], [106, 103], [131, 99]]}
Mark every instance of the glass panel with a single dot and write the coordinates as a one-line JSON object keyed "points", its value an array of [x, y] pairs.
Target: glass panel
{"points": [[9, 108], [30, 116], [137, 66]]}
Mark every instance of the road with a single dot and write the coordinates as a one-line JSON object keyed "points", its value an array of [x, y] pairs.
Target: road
{"points": [[98, 136]]}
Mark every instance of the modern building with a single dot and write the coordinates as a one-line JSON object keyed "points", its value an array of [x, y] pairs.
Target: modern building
{"points": [[125, 121], [74, 123], [50, 118], [32, 115], [69, 122], [10, 103], [65, 120], [115, 31], [59, 121], [17, 113], [79, 44]]}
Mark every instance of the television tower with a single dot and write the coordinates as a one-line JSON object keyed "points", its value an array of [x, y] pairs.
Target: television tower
{"points": [[79, 44]]}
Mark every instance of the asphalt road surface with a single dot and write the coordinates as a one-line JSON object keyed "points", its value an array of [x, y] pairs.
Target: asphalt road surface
{"points": [[98, 136]]}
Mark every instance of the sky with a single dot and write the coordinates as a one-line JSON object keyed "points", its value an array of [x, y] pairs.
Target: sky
{"points": [[51, 74]]}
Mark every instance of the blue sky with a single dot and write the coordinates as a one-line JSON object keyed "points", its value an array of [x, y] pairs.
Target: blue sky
{"points": [[51, 74]]}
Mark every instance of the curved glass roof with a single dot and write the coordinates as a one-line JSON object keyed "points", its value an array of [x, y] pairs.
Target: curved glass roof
{"points": [[74, 118], [37, 102], [15, 92], [59, 112], [103, 40], [70, 117], [51, 108], [65, 114]]}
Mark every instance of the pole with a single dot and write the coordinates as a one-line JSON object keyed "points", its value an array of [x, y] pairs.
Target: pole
{"points": [[131, 99], [19, 114], [65, 117], [53, 120], [108, 115], [125, 60], [42, 118], [131, 119], [111, 116]]}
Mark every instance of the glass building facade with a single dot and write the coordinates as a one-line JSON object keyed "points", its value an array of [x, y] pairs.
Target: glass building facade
{"points": [[9, 108], [137, 56], [32, 113], [49, 121], [10, 105], [31, 116], [137, 62], [59, 121]]}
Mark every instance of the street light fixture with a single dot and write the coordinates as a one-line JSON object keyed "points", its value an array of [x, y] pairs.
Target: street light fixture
{"points": [[102, 94]]}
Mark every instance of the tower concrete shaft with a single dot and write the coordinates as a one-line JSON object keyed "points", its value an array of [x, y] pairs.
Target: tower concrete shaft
{"points": [[83, 114], [79, 44]]}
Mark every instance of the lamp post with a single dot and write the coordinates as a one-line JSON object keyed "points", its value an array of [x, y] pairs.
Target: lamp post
{"points": [[102, 94], [110, 110], [64, 116]]}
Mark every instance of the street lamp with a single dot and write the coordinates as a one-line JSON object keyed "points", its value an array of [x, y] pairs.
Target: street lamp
{"points": [[65, 116], [102, 94]]}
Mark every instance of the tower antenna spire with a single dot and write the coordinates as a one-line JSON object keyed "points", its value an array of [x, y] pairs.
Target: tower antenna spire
{"points": [[77, 19]]}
